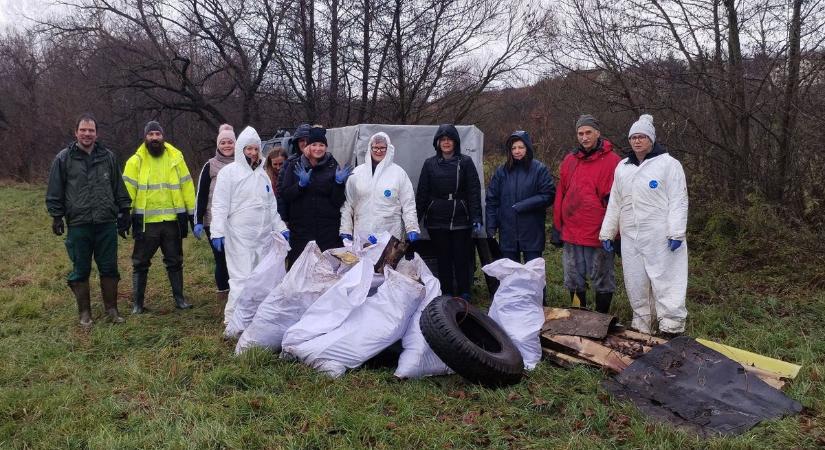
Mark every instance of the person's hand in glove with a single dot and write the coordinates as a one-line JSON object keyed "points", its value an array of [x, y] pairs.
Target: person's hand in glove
{"points": [[412, 236], [555, 238], [372, 239], [198, 230], [285, 234], [303, 175], [124, 223], [673, 244], [476, 229], [342, 173], [345, 236], [57, 225], [607, 245], [191, 218], [217, 244]]}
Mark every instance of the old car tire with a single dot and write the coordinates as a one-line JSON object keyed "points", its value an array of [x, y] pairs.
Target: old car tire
{"points": [[471, 343]]}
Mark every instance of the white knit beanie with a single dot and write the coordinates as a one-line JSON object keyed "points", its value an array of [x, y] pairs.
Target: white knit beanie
{"points": [[644, 126]]}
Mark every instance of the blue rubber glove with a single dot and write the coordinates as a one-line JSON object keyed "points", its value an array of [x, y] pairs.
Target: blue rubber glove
{"points": [[372, 239], [303, 175], [674, 244], [198, 231], [217, 244], [477, 227], [342, 173], [345, 236], [285, 234], [607, 245], [412, 236]]}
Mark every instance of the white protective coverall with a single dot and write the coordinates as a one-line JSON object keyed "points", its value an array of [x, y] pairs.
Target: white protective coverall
{"points": [[245, 213], [649, 204], [380, 201]]}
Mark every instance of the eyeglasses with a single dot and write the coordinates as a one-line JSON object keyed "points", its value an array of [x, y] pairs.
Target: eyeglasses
{"points": [[638, 137], [379, 149]]}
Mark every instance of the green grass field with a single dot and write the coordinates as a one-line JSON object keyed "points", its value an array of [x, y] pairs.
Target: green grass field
{"points": [[168, 379]]}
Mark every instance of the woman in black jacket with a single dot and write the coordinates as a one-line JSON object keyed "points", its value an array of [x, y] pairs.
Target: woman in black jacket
{"points": [[449, 205], [314, 193]]}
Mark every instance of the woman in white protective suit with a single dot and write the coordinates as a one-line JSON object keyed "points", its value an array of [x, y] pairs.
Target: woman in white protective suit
{"points": [[649, 205], [379, 196], [244, 214]]}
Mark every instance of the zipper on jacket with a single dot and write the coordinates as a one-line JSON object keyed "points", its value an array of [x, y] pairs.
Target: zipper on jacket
{"points": [[457, 175]]}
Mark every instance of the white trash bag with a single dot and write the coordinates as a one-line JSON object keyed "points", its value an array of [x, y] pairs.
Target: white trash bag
{"points": [[312, 274], [367, 330], [266, 276], [517, 304], [417, 359]]}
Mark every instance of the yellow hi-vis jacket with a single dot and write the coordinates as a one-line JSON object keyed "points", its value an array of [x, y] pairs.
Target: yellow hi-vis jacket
{"points": [[160, 187]]}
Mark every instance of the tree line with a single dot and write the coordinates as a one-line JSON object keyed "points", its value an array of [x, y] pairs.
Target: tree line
{"points": [[736, 87]]}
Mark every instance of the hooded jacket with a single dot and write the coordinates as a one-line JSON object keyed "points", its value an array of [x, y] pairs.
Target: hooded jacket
{"points": [[379, 200], [314, 210], [86, 189], [582, 194], [449, 190], [517, 201]]}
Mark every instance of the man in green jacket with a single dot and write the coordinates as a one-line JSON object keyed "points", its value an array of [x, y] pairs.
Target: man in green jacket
{"points": [[85, 188]]}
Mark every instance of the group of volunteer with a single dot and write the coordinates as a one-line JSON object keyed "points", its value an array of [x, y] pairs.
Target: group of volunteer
{"points": [[246, 201]]}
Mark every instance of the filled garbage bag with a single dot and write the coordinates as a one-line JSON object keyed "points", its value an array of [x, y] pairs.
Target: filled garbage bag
{"points": [[265, 277], [370, 327], [312, 274], [517, 304], [417, 358]]}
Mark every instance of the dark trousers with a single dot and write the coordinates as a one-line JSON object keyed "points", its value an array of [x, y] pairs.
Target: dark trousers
{"points": [[165, 235], [221, 272], [454, 255], [518, 255], [98, 241]]}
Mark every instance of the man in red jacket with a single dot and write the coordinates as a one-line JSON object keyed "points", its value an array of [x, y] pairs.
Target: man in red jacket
{"points": [[585, 179]]}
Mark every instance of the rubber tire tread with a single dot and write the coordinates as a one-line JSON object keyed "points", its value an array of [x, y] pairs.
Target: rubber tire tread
{"points": [[443, 334]]}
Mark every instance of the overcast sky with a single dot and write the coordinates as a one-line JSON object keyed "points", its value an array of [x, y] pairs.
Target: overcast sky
{"points": [[15, 12]]}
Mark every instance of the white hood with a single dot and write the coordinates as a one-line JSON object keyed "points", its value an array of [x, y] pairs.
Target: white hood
{"points": [[248, 136]]}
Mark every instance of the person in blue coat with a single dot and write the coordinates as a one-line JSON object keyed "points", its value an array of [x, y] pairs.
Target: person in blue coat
{"points": [[517, 200]]}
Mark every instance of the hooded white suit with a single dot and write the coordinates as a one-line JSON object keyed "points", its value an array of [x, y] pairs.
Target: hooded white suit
{"points": [[649, 203], [379, 201], [245, 213]]}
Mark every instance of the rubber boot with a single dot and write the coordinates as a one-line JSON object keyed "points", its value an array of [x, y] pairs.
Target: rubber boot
{"points": [[176, 280], [108, 290], [138, 292], [578, 299], [84, 302], [222, 297], [603, 300]]}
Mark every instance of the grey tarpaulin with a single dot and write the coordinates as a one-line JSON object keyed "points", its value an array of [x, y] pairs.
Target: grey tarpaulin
{"points": [[693, 386]]}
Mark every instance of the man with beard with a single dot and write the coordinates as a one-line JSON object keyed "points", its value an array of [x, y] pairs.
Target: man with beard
{"points": [[85, 188], [163, 206]]}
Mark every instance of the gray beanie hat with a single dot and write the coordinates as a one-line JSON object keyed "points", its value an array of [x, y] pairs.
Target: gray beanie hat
{"points": [[644, 126], [152, 125], [589, 121]]}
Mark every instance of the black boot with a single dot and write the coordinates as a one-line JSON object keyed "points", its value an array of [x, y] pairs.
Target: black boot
{"points": [[176, 280], [108, 290], [603, 300], [138, 292], [582, 295], [84, 302]]}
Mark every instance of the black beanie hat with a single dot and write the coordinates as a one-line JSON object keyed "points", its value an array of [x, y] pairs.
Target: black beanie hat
{"points": [[317, 134], [152, 125]]}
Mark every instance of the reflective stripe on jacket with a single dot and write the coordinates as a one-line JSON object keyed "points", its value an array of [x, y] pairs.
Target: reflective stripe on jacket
{"points": [[160, 187]]}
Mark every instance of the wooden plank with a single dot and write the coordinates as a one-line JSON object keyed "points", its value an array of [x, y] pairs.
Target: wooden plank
{"points": [[564, 360], [641, 337], [591, 351], [779, 368], [767, 377], [629, 347]]}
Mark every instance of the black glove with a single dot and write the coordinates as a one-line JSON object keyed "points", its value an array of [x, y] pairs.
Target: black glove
{"points": [[183, 224], [192, 222], [555, 238], [124, 222], [57, 225], [617, 246], [137, 226]]}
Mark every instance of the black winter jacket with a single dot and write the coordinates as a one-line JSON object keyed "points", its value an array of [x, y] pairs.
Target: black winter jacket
{"points": [[449, 190], [86, 189], [314, 210]]}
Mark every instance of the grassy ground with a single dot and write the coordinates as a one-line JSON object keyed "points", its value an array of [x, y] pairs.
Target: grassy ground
{"points": [[168, 380]]}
